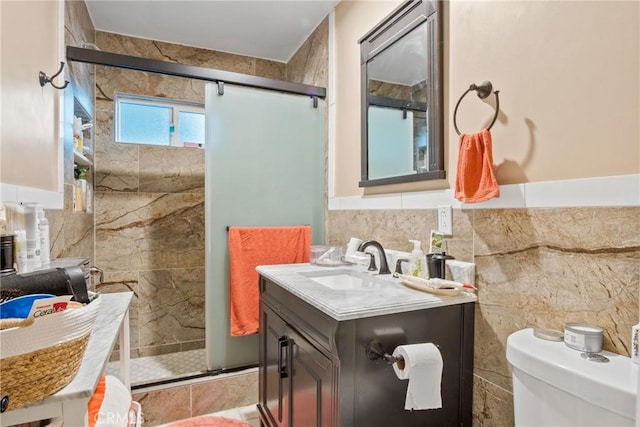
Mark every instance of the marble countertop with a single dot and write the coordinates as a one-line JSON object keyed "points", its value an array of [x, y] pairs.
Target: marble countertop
{"points": [[380, 295]]}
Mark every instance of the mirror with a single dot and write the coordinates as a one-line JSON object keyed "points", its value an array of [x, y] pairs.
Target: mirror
{"points": [[401, 97]]}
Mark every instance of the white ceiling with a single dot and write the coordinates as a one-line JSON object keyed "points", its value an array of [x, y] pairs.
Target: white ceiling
{"points": [[264, 29]]}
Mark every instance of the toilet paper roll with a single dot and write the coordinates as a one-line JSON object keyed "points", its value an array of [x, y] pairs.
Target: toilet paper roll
{"points": [[423, 368]]}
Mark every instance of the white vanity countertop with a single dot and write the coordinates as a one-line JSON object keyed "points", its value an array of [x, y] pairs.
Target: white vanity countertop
{"points": [[380, 297]]}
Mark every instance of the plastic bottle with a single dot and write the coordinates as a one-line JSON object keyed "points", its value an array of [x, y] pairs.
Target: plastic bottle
{"points": [[45, 249], [21, 250], [81, 191], [77, 134], [33, 236], [416, 262]]}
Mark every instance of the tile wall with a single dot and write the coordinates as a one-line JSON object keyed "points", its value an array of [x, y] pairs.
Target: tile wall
{"points": [[149, 200], [535, 267], [309, 65], [224, 392], [150, 217]]}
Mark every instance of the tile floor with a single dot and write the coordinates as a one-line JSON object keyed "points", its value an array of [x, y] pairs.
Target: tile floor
{"points": [[166, 366]]}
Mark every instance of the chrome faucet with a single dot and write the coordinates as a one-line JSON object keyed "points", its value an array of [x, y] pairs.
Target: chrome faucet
{"points": [[384, 268]]}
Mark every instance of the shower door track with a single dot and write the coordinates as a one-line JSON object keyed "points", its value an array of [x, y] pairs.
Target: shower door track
{"points": [[99, 57], [180, 379]]}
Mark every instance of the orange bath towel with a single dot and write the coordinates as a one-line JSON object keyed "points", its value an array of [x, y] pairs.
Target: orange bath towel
{"points": [[475, 181], [250, 247]]}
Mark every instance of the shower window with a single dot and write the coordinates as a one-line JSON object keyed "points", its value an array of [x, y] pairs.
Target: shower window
{"points": [[158, 121]]}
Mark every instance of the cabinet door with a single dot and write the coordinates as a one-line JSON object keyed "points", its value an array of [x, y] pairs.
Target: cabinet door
{"points": [[311, 384], [31, 152], [274, 368]]}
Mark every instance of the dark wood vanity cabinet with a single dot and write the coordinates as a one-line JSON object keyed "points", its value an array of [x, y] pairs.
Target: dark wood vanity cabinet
{"points": [[314, 371], [295, 377]]}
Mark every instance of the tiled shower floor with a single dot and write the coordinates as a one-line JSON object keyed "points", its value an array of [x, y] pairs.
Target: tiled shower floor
{"points": [[145, 370]]}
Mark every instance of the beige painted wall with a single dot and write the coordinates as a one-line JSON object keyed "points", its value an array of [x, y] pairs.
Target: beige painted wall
{"points": [[29, 139], [567, 73]]}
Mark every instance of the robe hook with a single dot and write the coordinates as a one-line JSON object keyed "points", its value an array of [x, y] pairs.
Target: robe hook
{"points": [[44, 79]]}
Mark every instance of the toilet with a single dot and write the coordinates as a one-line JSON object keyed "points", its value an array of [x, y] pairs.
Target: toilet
{"points": [[554, 386]]}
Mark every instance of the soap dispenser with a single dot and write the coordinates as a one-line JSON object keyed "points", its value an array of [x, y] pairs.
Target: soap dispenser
{"points": [[416, 263]]}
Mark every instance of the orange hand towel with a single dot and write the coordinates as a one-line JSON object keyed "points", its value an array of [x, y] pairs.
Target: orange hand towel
{"points": [[475, 181], [250, 247]]}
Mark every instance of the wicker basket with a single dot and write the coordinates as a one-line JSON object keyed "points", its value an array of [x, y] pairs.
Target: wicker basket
{"points": [[40, 359]]}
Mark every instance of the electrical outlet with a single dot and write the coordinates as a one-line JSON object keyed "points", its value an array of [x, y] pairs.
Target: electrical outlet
{"points": [[445, 220]]}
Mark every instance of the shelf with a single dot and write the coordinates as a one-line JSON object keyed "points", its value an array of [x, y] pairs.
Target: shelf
{"points": [[110, 325], [81, 160], [80, 111]]}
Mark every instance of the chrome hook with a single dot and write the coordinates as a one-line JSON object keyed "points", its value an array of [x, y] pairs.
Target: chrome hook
{"points": [[44, 79]]}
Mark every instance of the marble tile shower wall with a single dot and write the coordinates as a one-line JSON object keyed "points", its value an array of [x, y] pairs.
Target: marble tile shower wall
{"points": [[535, 267], [71, 233], [149, 201], [310, 64]]}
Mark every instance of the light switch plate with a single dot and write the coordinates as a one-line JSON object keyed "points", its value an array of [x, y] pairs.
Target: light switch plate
{"points": [[445, 220]]}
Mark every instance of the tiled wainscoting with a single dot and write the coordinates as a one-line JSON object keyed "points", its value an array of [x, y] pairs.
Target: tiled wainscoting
{"points": [[538, 267], [209, 395]]}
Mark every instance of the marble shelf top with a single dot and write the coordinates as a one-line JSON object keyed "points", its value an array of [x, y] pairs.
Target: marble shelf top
{"points": [[384, 295]]}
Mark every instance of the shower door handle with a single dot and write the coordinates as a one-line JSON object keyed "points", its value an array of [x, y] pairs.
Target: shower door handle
{"points": [[283, 344]]}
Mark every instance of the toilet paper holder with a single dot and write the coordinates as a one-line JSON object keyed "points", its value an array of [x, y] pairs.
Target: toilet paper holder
{"points": [[375, 350]]}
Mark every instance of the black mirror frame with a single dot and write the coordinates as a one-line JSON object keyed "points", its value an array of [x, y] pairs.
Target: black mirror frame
{"points": [[401, 21]]}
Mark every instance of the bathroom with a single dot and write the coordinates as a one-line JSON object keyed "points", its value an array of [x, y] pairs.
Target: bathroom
{"points": [[562, 243]]}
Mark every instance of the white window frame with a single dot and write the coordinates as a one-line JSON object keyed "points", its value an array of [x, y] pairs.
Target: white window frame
{"points": [[176, 107]]}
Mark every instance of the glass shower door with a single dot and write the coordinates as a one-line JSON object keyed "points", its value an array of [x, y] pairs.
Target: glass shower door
{"points": [[264, 166]]}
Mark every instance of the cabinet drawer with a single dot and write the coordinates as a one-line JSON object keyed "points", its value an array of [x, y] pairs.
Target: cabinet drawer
{"points": [[309, 321]]}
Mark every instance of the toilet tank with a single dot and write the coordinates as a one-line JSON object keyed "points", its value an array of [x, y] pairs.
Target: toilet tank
{"points": [[554, 386]]}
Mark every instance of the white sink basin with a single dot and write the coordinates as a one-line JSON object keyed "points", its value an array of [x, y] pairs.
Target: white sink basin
{"points": [[345, 279]]}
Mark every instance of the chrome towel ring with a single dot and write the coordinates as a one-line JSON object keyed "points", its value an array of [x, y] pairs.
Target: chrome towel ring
{"points": [[483, 90]]}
